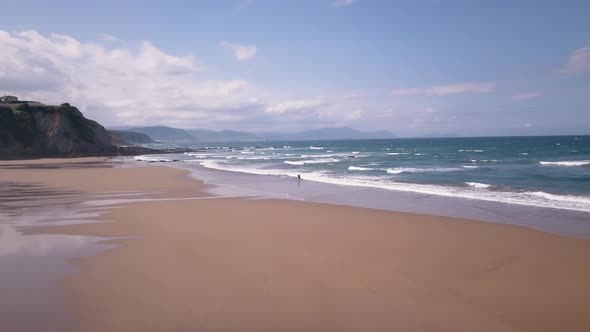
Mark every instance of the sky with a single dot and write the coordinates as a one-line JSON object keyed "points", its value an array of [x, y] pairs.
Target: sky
{"points": [[415, 67]]}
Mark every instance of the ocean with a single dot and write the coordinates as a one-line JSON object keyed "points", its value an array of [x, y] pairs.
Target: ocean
{"points": [[542, 172]]}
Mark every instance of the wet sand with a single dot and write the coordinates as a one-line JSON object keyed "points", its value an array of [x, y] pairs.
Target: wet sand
{"points": [[232, 264]]}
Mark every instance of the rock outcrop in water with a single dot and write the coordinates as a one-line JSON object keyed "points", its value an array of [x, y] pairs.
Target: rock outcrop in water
{"points": [[30, 130]]}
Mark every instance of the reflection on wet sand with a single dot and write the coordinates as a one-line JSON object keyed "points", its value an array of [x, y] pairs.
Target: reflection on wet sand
{"points": [[31, 265], [59, 165]]}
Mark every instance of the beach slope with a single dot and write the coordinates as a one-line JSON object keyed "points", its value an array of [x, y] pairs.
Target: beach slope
{"points": [[226, 264]]}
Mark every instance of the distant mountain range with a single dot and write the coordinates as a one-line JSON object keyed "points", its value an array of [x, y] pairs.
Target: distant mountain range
{"points": [[119, 138], [333, 133], [169, 134], [223, 135], [163, 134]]}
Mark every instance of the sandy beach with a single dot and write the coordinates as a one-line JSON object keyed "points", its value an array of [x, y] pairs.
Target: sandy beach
{"points": [[198, 263]]}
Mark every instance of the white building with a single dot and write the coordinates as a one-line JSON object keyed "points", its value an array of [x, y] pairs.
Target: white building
{"points": [[8, 99]]}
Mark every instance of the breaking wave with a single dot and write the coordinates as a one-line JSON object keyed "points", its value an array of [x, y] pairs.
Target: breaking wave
{"points": [[312, 161], [473, 190], [478, 185], [399, 170], [566, 163], [355, 168], [153, 159]]}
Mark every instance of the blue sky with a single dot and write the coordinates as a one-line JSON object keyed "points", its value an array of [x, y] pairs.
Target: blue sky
{"points": [[416, 68]]}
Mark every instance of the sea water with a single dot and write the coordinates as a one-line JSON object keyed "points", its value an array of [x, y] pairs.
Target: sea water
{"points": [[542, 172]]}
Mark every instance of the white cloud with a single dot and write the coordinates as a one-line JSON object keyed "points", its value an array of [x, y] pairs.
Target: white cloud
{"points": [[446, 90], [294, 106], [141, 84], [354, 115], [120, 85], [241, 52], [109, 38], [243, 4], [523, 125], [525, 95], [578, 62], [342, 3]]}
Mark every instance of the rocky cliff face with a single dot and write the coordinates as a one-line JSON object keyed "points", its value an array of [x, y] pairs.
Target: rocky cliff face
{"points": [[50, 131]]}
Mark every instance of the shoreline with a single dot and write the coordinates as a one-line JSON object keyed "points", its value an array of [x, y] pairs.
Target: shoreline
{"points": [[207, 188], [482, 170], [572, 223], [241, 264]]}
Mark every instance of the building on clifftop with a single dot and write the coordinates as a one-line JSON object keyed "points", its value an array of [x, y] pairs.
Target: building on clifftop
{"points": [[8, 99]]}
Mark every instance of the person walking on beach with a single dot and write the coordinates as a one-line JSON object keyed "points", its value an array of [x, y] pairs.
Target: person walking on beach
{"points": [[299, 177]]}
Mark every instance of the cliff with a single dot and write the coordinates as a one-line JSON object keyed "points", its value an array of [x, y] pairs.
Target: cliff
{"points": [[41, 130]]}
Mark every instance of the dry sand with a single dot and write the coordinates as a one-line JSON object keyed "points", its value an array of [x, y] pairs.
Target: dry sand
{"points": [[272, 265]]}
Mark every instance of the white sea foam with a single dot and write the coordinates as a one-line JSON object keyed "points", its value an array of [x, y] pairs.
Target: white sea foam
{"points": [[566, 163], [317, 155], [259, 158], [478, 185], [312, 161], [396, 153], [471, 151], [399, 170], [538, 199], [470, 166], [561, 198], [356, 168], [152, 159], [195, 155], [316, 147], [212, 164], [484, 160], [332, 155]]}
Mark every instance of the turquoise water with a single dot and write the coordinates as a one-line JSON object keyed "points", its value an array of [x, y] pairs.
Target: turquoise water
{"points": [[550, 172]]}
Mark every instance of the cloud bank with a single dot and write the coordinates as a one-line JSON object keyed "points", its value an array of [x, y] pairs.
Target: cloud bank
{"points": [[143, 85], [525, 95], [342, 3], [447, 90], [116, 85], [578, 62], [241, 52]]}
